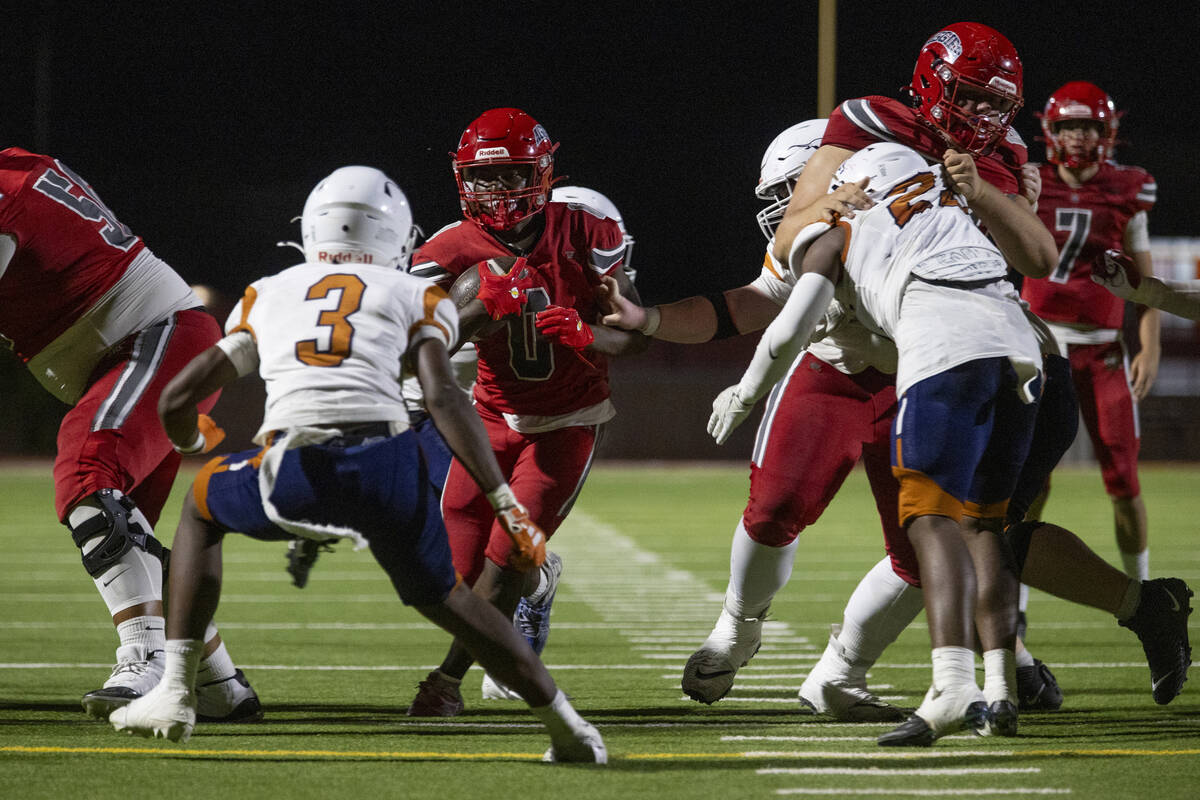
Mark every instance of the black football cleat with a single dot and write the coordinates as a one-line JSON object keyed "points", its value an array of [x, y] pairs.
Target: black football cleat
{"points": [[1160, 622], [1037, 688]]}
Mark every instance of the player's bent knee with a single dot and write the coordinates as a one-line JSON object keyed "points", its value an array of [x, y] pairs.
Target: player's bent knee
{"points": [[106, 526], [1016, 541], [773, 532]]}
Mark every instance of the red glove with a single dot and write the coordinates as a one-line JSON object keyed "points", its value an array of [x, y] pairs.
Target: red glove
{"points": [[504, 294], [564, 326]]}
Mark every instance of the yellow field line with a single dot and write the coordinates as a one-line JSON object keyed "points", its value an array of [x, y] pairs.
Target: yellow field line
{"points": [[416, 754]]}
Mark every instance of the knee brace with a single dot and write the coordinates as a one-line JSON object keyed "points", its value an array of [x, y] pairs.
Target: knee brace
{"points": [[121, 534], [1016, 539]]}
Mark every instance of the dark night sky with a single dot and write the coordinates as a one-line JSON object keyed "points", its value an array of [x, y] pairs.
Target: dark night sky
{"points": [[205, 129]]}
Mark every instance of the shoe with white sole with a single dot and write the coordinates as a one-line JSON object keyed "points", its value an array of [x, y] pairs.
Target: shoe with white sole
{"points": [[709, 672], [838, 688], [136, 672], [163, 713]]}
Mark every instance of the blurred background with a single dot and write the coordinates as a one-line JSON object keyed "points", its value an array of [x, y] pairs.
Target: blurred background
{"points": [[204, 126]]}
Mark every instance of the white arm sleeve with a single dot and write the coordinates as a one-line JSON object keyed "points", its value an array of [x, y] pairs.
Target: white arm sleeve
{"points": [[1137, 233], [240, 348], [786, 336]]}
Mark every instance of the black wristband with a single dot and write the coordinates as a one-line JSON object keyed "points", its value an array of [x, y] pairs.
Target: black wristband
{"points": [[725, 326]]}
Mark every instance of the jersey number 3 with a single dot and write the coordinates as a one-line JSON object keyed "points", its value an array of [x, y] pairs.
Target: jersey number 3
{"points": [[341, 333]]}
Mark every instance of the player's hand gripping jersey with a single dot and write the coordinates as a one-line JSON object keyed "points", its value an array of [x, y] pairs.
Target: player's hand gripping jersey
{"points": [[74, 281], [324, 338], [1087, 220], [858, 123], [522, 374]]}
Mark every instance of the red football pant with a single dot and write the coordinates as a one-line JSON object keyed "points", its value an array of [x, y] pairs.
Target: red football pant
{"points": [[1109, 413], [815, 427], [112, 438], [546, 472]]}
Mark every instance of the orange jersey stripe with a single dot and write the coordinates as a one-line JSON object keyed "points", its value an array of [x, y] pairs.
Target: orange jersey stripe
{"points": [[921, 496]]}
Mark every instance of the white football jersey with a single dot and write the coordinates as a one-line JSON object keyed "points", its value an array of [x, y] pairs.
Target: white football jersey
{"points": [[840, 339], [925, 276], [329, 341]]}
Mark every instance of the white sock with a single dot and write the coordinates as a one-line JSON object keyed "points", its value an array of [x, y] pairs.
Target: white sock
{"points": [[1024, 657], [148, 633], [216, 666], [560, 717], [756, 573], [881, 606], [1129, 600], [953, 666], [1023, 599], [999, 675], [182, 661], [1137, 565]]}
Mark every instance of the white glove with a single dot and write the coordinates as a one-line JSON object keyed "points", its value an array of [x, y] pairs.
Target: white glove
{"points": [[1117, 273], [728, 412]]}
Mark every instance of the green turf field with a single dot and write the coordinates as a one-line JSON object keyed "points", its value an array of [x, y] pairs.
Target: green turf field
{"points": [[646, 555]]}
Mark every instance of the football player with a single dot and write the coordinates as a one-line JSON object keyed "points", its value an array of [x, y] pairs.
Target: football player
{"points": [[103, 324], [542, 387], [924, 276], [833, 407], [337, 458], [1092, 204]]}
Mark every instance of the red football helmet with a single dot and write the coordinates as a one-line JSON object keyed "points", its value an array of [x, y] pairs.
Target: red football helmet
{"points": [[504, 166], [961, 62], [1080, 100]]}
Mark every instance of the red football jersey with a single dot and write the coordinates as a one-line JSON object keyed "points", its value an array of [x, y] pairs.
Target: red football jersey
{"points": [[520, 371], [855, 124], [1085, 222], [71, 249]]}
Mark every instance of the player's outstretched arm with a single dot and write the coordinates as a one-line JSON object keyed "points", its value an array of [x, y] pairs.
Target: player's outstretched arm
{"points": [[691, 320], [460, 426], [1121, 276], [188, 430], [785, 337], [1022, 238]]}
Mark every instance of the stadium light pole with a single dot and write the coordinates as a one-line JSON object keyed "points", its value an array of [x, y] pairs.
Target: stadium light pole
{"points": [[826, 57]]}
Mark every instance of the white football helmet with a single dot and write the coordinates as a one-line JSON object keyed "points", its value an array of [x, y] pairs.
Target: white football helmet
{"points": [[590, 198], [781, 165], [358, 215], [885, 163]]}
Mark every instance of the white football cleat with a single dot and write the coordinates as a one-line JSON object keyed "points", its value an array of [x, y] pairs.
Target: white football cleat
{"points": [[228, 700], [495, 690], [134, 675], [162, 713], [838, 688], [941, 713], [586, 747], [709, 673]]}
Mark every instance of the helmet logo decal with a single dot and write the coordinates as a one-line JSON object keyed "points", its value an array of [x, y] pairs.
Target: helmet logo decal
{"points": [[539, 135], [492, 152], [950, 41]]}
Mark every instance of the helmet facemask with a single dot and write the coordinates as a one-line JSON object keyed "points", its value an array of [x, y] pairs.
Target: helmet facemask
{"points": [[501, 194], [1079, 110], [955, 113]]}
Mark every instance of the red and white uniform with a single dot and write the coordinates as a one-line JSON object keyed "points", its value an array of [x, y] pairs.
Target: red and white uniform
{"points": [[1107, 211], [541, 402], [857, 123], [837, 402], [102, 324]]}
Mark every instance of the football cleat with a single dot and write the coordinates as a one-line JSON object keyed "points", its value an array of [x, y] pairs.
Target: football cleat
{"points": [[302, 554], [1001, 719], [585, 747], [834, 688], [162, 713], [1160, 622], [532, 617], [437, 696], [135, 674], [709, 672], [495, 690], [228, 700], [941, 713], [1037, 688]]}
